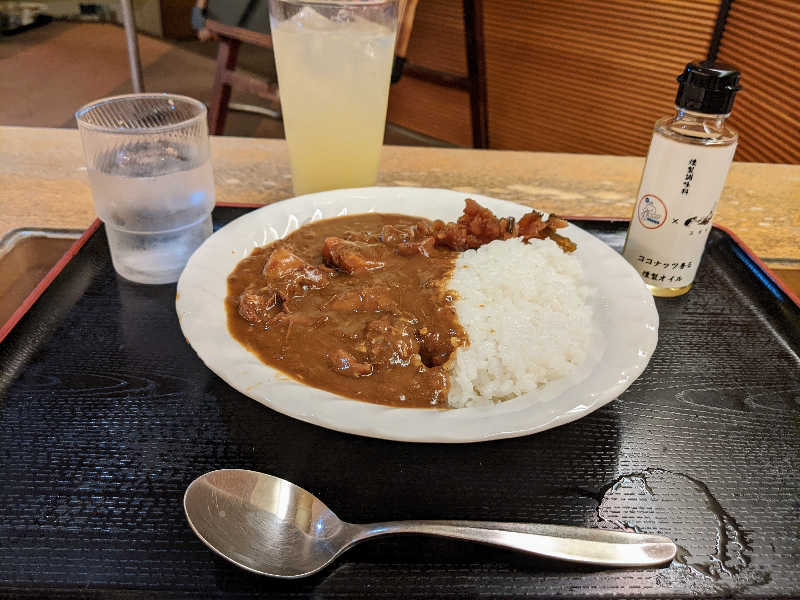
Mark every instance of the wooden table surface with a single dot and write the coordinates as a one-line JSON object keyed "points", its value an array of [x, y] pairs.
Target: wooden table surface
{"points": [[43, 183]]}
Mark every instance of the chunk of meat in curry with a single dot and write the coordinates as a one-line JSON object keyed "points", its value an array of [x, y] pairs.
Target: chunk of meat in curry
{"points": [[358, 305]]}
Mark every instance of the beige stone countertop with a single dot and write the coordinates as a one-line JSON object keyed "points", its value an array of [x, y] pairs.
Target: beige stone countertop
{"points": [[43, 183]]}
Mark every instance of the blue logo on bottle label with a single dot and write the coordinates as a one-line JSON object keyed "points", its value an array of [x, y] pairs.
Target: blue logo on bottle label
{"points": [[652, 211]]}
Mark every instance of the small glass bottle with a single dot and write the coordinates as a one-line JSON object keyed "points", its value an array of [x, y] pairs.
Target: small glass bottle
{"points": [[687, 163]]}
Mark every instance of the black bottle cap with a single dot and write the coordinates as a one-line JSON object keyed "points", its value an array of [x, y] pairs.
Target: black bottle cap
{"points": [[707, 88]]}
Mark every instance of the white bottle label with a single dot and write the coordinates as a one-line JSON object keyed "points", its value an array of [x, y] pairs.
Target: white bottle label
{"points": [[680, 189]]}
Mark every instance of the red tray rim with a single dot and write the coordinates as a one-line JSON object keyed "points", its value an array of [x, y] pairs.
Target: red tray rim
{"points": [[40, 288]]}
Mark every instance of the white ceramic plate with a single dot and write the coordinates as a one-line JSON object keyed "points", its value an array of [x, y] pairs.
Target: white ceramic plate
{"points": [[625, 335]]}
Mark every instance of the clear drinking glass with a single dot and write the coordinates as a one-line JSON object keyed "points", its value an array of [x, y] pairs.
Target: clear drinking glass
{"points": [[334, 60], [150, 172]]}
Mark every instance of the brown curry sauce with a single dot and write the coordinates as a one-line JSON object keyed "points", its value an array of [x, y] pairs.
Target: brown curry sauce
{"points": [[380, 334]]}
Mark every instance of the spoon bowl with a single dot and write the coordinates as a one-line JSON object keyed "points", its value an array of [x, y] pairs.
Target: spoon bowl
{"points": [[263, 523], [270, 526]]}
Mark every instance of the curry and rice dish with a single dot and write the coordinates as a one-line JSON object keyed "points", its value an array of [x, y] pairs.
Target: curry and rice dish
{"points": [[373, 306]]}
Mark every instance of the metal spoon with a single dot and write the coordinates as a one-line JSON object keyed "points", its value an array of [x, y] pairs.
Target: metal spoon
{"points": [[272, 527]]}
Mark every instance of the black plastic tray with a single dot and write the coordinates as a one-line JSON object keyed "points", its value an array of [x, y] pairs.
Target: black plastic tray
{"points": [[106, 415]]}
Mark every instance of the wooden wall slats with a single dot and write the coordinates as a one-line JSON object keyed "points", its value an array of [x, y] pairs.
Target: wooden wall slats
{"points": [[436, 111], [597, 15], [761, 36], [437, 38], [762, 39], [786, 6], [776, 16], [587, 76], [592, 76]]}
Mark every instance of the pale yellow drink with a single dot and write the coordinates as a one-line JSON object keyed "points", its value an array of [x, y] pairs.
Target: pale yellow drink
{"points": [[334, 86]]}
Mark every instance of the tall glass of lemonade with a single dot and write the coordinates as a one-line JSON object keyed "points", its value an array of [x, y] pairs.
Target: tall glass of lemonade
{"points": [[334, 60]]}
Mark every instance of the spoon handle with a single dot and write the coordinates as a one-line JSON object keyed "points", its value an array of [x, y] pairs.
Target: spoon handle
{"points": [[576, 544]]}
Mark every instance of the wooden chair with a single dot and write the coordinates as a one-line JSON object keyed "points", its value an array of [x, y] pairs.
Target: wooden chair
{"points": [[226, 76], [474, 82], [231, 37]]}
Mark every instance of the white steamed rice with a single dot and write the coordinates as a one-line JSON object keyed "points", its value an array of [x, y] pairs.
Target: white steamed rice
{"points": [[524, 309]]}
